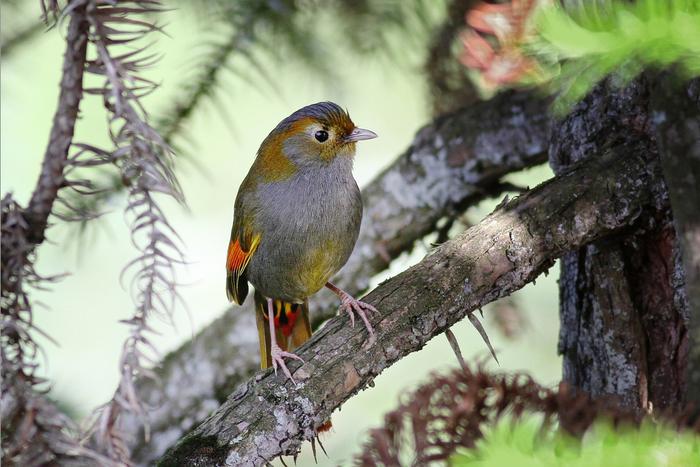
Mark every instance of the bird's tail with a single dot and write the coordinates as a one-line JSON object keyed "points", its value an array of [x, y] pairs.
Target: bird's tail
{"points": [[292, 326]]}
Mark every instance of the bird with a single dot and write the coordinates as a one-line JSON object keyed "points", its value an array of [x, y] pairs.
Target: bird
{"points": [[296, 219]]}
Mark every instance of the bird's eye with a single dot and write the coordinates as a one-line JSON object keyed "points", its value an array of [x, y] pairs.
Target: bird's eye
{"points": [[321, 136]]}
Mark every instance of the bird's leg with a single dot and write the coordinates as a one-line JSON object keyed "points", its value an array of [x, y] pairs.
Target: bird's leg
{"points": [[352, 305], [276, 353]]}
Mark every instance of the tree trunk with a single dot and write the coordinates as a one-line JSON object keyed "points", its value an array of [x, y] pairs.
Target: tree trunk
{"points": [[623, 306], [676, 118]]}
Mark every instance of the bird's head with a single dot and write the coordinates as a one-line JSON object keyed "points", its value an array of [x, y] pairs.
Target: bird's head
{"points": [[313, 135]]}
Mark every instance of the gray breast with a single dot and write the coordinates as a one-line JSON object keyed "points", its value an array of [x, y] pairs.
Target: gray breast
{"points": [[309, 225]]}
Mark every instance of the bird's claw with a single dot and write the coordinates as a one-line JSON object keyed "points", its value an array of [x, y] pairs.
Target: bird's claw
{"points": [[352, 306], [278, 355]]}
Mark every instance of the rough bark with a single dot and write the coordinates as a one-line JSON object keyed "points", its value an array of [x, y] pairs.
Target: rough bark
{"points": [[56, 155], [452, 163], [267, 416], [676, 118], [622, 301]]}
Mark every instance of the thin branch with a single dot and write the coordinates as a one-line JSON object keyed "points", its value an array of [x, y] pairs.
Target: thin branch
{"points": [[451, 164], [56, 155], [267, 416]]}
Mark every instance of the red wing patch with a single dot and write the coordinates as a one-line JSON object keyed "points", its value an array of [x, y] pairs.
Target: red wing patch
{"points": [[236, 261], [238, 258]]}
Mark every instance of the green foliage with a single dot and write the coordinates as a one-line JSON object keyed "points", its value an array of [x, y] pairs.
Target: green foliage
{"points": [[588, 40], [526, 444]]}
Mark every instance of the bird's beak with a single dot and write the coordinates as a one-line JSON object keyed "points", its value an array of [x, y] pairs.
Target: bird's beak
{"points": [[359, 134]]}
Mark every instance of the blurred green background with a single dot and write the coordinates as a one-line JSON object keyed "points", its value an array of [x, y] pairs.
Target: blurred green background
{"points": [[82, 311]]}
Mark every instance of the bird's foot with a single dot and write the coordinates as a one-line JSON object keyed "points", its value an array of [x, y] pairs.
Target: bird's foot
{"points": [[278, 355], [352, 305]]}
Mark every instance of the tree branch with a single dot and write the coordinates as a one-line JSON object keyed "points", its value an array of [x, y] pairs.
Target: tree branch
{"points": [[452, 163], [55, 159], [266, 416]]}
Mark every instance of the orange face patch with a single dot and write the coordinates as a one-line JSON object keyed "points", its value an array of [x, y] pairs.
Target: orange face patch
{"points": [[274, 165]]}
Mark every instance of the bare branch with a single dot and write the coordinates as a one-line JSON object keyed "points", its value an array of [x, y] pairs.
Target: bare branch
{"points": [[55, 158], [452, 163], [266, 417]]}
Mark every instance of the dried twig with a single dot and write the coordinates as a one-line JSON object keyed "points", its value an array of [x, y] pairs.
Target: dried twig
{"points": [[482, 332], [455, 348]]}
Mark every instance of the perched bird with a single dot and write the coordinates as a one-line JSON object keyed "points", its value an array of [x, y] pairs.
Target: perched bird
{"points": [[296, 219]]}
